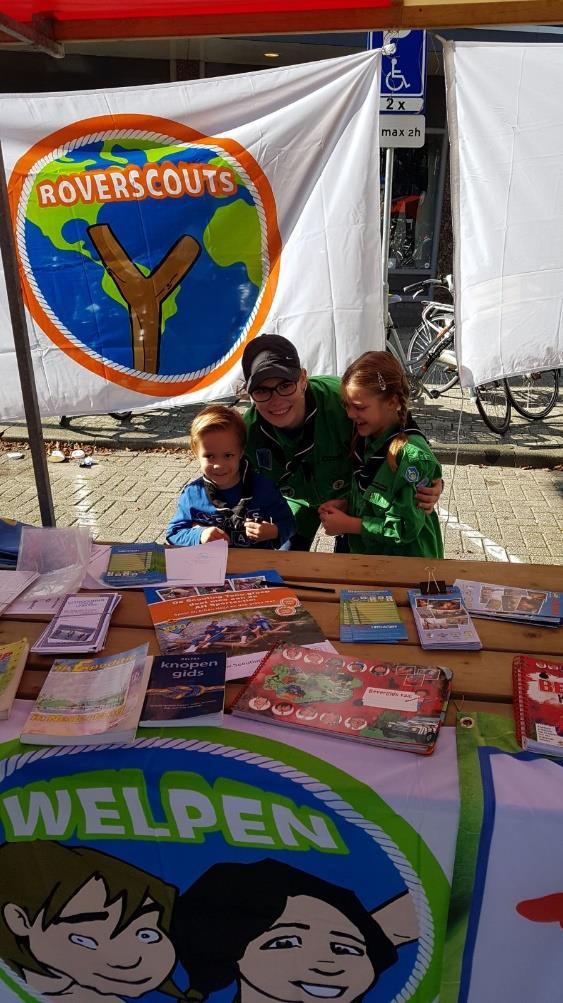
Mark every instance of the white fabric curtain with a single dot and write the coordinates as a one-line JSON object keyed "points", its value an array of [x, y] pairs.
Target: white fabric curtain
{"points": [[505, 116]]}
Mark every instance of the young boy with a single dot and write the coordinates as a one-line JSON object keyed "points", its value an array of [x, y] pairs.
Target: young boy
{"points": [[229, 501]]}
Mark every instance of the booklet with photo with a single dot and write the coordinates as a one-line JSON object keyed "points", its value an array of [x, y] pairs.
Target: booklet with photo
{"points": [[442, 621], [244, 624], [185, 690], [13, 657], [80, 626], [90, 701], [538, 704], [503, 602], [371, 616], [392, 706]]}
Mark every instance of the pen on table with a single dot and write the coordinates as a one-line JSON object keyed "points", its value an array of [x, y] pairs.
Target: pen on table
{"points": [[309, 588]]}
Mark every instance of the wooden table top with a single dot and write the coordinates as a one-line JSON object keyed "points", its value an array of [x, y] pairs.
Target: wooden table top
{"points": [[482, 679]]}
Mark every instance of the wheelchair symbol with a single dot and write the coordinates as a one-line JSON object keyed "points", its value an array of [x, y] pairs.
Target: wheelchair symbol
{"points": [[395, 80]]}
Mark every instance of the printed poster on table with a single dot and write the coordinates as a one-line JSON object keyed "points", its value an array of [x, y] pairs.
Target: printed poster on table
{"points": [[505, 935], [161, 228], [227, 864]]}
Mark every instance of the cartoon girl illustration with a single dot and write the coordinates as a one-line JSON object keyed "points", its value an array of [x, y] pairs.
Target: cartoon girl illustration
{"points": [[81, 925], [283, 935]]}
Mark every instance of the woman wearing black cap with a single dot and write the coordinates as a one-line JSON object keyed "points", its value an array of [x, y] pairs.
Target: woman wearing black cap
{"points": [[298, 433]]}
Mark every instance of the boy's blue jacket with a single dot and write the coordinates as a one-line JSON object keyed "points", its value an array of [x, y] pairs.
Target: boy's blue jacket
{"points": [[196, 511]]}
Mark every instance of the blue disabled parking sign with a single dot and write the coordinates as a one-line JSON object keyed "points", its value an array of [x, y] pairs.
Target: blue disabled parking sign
{"points": [[403, 74]]}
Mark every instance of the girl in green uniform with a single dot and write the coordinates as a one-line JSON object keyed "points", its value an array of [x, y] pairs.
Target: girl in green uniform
{"points": [[391, 458]]}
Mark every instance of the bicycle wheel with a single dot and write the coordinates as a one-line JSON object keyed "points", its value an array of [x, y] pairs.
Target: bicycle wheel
{"points": [[534, 395], [440, 376], [493, 404]]}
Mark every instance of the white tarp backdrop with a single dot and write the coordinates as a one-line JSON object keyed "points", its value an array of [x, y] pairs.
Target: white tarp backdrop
{"points": [[505, 117], [160, 228]]}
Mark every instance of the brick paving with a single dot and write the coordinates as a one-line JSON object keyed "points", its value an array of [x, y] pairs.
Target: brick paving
{"points": [[495, 513]]}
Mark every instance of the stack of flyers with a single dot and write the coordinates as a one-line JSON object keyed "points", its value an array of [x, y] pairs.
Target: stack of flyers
{"points": [[80, 626], [370, 616], [503, 602], [442, 621]]}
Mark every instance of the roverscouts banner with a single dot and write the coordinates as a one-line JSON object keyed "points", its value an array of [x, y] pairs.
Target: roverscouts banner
{"points": [[160, 228], [214, 865], [505, 119], [505, 932]]}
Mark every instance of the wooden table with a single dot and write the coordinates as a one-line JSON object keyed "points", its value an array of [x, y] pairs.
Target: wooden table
{"points": [[482, 679]]}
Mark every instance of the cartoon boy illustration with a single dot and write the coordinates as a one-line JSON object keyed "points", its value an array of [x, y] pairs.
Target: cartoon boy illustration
{"points": [[80, 925], [283, 935]]}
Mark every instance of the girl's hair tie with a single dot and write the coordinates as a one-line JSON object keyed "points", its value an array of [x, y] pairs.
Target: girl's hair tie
{"points": [[381, 382]]}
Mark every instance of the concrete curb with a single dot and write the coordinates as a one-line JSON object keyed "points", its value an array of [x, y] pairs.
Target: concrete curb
{"points": [[501, 455]]}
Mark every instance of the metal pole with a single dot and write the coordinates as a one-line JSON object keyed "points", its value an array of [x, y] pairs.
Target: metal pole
{"points": [[386, 234], [23, 354]]}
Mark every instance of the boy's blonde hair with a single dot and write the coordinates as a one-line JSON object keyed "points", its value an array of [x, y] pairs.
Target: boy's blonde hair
{"points": [[380, 373], [216, 418]]}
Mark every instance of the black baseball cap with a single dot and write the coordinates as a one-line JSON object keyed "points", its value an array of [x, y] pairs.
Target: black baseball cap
{"points": [[268, 356]]}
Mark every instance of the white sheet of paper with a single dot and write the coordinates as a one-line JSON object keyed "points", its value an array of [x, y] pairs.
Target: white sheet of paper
{"points": [[12, 583], [204, 564]]}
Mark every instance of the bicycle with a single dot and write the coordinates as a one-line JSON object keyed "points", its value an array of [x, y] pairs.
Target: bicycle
{"points": [[534, 395], [431, 364]]}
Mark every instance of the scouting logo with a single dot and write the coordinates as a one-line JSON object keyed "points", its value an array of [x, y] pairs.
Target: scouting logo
{"points": [[149, 252]]}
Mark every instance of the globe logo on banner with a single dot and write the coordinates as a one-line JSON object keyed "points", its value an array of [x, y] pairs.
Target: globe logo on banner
{"points": [[149, 252]]}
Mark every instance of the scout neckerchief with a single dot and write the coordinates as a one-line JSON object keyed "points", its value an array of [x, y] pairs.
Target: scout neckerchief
{"points": [[365, 470], [234, 516], [306, 443]]}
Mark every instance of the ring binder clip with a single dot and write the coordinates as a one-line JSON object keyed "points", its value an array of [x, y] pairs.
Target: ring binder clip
{"points": [[432, 587]]}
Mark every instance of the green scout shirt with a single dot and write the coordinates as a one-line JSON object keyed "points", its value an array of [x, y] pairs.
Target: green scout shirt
{"points": [[391, 521], [324, 470]]}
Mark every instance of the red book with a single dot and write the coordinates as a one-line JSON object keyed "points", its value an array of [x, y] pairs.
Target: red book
{"points": [[538, 704]]}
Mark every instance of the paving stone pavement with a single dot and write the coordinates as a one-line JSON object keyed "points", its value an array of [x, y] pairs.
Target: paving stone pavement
{"points": [[490, 513]]}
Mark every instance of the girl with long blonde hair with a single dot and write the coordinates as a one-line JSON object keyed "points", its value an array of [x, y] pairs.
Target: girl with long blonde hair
{"points": [[391, 458]]}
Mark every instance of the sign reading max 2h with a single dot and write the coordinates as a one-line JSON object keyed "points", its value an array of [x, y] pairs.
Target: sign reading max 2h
{"points": [[403, 84]]}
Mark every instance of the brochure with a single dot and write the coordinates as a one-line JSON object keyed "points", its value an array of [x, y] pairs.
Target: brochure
{"points": [[234, 583], [503, 602], [442, 621], [370, 616], [90, 702], [538, 704], [393, 706], [185, 690], [244, 624], [204, 564], [12, 663], [135, 564], [80, 626]]}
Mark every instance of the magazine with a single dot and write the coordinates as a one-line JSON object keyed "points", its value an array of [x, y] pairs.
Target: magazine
{"points": [[370, 616], [393, 706], [13, 657], [442, 621], [538, 704], [503, 602], [90, 701], [185, 690], [244, 624]]}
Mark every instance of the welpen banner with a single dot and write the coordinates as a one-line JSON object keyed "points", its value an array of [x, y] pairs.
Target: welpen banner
{"points": [[221, 865], [160, 228]]}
